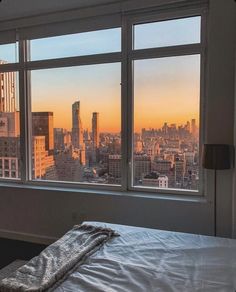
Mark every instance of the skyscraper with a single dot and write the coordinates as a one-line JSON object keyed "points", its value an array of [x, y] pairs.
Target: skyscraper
{"points": [[193, 127], [77, 129], [95, 130], [9, 127], [7, 91], [42, 123], [77, 132]]}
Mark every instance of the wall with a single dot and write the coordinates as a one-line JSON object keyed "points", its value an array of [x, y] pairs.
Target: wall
{"points": [[220, 97], [45, 214]]}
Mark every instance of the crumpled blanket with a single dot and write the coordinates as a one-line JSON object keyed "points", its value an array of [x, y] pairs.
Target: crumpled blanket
{"points": [[43, 271]]}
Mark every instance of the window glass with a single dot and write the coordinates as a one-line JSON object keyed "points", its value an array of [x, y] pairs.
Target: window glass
{"points": [[167, 33], [80, 44], [8, 53], [76, 124], [166, 122], [9, 125]]}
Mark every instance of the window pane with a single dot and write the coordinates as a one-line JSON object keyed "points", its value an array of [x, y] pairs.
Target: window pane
{"points": [[9, 126], [167, 33], [76, 118], [166, 122], [80, 44], [9, 53]]}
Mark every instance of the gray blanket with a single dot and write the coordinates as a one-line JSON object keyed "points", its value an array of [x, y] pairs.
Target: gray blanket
{"points": [[43, 271]]}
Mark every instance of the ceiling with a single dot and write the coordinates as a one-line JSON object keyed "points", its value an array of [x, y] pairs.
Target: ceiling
{"points": [[11, 9]]}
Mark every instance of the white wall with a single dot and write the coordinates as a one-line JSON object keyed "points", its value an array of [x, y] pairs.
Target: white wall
{"points": [[50, 213]]}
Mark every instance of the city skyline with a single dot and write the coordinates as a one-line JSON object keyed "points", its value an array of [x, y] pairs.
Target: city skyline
{"points": [[161, 92]]}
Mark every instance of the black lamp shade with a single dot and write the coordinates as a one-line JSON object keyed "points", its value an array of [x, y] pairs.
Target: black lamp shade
{"points": [[217, 156]]}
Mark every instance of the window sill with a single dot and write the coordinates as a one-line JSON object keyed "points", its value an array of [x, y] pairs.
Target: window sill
{"points": [[133, 193]]}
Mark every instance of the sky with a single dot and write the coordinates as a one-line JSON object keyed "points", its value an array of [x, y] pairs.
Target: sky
{"points": [[165, 89]]}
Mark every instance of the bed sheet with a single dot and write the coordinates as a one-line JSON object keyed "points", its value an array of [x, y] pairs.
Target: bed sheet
{"points": [[143, 259]]}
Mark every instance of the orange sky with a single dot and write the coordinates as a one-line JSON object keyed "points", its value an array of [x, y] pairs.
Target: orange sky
{"points": [[165, 90]]}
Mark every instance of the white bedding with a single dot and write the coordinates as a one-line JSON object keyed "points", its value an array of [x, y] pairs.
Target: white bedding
{"points": [[142, 259]]}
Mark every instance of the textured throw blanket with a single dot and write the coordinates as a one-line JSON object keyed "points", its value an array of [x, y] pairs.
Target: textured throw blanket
{"points": [[43, 271]]}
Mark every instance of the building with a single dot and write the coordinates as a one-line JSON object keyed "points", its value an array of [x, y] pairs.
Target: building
{"points": [[7, 91], [95, 130], [9, 124], [193, 128], [179, 171], [9, 145], [114, 165], [68, 165], [42, 125], [77, 129], [9, 157], [154, 179], [59, 139], [162, 166], [142, 166], [43, 166]]}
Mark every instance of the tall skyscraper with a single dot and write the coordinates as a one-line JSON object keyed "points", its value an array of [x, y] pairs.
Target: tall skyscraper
{"points": [[42, 125], [77, 132], [7, 91], [95, 130], [193, 127], [77, 129]]}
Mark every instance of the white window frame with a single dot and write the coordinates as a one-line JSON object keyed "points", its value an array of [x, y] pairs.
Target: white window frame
{"points": [[126, 58], [159, 52]]}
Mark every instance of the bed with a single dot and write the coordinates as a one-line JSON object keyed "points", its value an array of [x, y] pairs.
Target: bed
{"points": [[142, 259]]}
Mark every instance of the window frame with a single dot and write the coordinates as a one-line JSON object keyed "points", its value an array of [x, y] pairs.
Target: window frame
{"points": [[159, 52], [126, 57]]}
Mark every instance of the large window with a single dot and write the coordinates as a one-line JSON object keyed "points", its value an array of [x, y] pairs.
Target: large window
{"points": [[118, 108], [166, 122], [76, 124]]}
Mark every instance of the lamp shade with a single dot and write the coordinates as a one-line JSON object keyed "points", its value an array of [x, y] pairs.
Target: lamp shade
{"points": [[217, 156]]}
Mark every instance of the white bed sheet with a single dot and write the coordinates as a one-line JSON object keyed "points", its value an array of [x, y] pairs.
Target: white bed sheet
{"points": [[142, 259]]}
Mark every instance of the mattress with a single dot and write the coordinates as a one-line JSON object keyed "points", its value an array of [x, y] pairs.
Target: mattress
{"points": [[142, 259]]}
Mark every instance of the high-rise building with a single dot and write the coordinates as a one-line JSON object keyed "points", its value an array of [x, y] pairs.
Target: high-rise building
{"points": [[9, 157], [9, 124], [9, 145], [42, 125], [43, 166], [114, 165], [9, 127], [68, 165], [7, 91], [193, 127], [95, 130], [142, 166], [162, 166], [179, 171], [77, 129], [59, 139]]}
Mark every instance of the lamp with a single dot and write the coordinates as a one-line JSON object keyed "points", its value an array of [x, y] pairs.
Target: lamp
{"points": [[217, 157]]}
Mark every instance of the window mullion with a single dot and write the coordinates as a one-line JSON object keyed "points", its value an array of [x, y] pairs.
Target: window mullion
{"points": [[24, 112], [127, 104]]}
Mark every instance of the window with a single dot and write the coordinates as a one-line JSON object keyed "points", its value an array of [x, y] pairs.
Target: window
{"points": [[166, 105], [166, 122], [117, 108], [182, 31], [86, 43], [9, 53], [76, 124]]}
